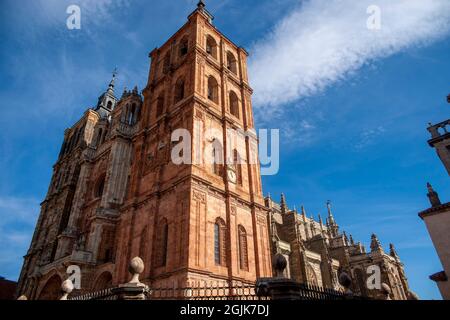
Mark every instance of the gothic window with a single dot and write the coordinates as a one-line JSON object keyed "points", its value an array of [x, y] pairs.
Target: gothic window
{"points": [[99, 187], [220, 242], [104, 135], [234, 104], [99, 136], [163, 235], [159, 106], [213, 89], [211, 47], [183, 46], [243, 250], [131, 117], [231, 62], [237, 162], [179, 90]]}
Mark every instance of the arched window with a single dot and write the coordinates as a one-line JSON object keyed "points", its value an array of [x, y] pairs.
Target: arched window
{"points": [[163, 236], [237, 162], [99, 187], [159, 106], [183, 47], [179, 90], [211, 47], [234, 104], [243, 250], [231, 62], [213, 89], [220, 242], [109, 105]]}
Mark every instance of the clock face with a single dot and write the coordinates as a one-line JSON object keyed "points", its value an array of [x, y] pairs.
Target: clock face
{"points": [[231, 176]]}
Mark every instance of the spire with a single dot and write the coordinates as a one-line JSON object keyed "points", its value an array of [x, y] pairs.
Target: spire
{"points": [[113, 82], [375, 244], [283, 204], [334, 228], [352, 242], [392, 252], [345, 238], [433, 196], [330, 214]]}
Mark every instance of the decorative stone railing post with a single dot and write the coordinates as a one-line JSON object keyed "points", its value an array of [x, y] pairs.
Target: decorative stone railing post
{"points": [[133, 290], [67, 288], [280, 287]]}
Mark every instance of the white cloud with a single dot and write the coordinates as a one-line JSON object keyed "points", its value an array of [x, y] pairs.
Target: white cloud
{"points": [[324, 41], [368, 137]]}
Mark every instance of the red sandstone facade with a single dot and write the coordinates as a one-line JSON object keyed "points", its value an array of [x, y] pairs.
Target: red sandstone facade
{"points": [[116, 194]]}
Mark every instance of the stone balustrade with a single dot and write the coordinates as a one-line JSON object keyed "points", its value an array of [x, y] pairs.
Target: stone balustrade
{"points": [[439, 129]]}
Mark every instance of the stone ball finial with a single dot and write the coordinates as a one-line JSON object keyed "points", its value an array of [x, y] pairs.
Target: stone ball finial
{"points": [[279, 264], [136, 268], [67, 288], [412, 296], [22, 297], [345, 281], [386, 291]]}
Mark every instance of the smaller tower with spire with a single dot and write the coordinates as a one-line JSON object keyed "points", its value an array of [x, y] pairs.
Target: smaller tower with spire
{"points": [[107, 101], [332, 225]]}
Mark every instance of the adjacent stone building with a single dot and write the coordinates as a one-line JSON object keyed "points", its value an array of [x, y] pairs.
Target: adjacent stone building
{"points": [[317, 252], [437, 217]]}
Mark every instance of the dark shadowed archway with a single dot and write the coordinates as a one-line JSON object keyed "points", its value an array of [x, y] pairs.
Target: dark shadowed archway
{"points": [[52, 289]]}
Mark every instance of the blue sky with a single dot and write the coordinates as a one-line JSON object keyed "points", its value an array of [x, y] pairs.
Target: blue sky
{"points": [[352, 106]]}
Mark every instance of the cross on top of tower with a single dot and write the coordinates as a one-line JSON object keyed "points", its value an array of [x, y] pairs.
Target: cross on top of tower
{"points": [[201, 7], [201, 4], [114, 74]]}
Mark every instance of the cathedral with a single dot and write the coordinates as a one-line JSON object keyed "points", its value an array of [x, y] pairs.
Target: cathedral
{"points": [[317, 253], [116, 194]]}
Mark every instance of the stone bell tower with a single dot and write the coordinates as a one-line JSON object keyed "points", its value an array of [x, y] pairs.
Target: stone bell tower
{"points": [[203, 219]]}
